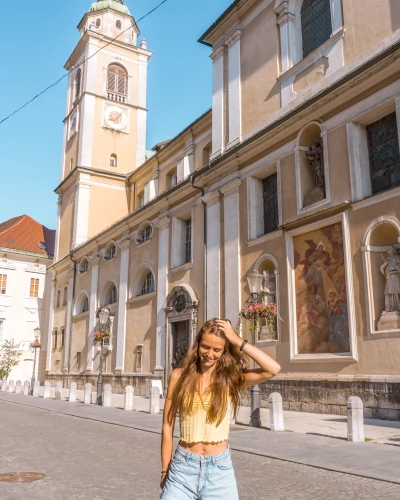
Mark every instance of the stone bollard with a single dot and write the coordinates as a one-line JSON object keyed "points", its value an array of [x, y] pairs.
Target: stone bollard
{"points": [[11, 386], [72, 392], [128, 401], [4, 385], [36, 387], [47, 389], [18, 387], [107, 395], [154, 400], [355, 420], [87, 394], [27, 388], [276, 412], [59, 388]]}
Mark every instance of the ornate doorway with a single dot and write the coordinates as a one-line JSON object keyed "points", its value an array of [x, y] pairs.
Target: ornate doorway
{"points": [[181, 326]]}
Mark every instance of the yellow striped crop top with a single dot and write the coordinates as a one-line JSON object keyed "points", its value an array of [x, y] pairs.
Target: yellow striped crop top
{"points": [[195, 429]]}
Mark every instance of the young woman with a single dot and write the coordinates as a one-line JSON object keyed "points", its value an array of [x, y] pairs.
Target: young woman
{"points": [[204, 392]]}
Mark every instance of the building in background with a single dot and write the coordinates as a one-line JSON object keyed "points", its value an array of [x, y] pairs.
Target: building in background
{"points": [[294, 173], [26, 250]]}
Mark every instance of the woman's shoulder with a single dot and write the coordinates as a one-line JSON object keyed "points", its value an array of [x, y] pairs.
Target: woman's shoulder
{"points": [[176, 375]]}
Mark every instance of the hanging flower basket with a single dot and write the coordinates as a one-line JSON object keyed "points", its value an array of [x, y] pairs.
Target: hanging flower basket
{"points": [[255, 312], [101, 337], [35, 345]]}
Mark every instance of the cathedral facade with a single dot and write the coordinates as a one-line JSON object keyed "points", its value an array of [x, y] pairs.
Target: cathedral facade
{"points": [[294, 174]]}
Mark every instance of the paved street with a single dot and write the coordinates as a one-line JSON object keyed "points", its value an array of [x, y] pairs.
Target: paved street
{"points": [[84, 459]]}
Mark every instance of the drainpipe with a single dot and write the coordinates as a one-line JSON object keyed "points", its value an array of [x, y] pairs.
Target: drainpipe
{"points": [[205, 243], [72, 312]]}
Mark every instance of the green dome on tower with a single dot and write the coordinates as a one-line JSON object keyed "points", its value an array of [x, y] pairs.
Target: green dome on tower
{"points": [[117, 5]]}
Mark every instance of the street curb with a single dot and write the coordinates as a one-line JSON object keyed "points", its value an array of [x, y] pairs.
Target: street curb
{"points": [[241, 449]]}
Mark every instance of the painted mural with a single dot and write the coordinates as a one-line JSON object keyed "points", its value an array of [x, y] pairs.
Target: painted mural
{"points": [[321, 295]]}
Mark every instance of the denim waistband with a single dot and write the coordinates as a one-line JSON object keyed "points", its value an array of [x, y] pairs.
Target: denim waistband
{"points": [[202, 458]]}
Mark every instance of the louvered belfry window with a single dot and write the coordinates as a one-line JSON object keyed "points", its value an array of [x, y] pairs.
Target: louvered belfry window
{"points": [[78, 79], [116, 83], [384, 155], [316, 24]]}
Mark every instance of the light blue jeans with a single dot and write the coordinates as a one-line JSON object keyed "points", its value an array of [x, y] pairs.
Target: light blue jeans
{"points": [[199, 477]]}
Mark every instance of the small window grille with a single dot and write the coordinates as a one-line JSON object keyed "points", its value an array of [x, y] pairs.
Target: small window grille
{"points": [[113, 161], [383, 151], [3, 284], [65, 296], [55, 339], [148, 284], [111, 251], [147, 233], [118, 25], [98, 23], [188, 241], [316, 24], [270, 201], [34, 288], [58, 298], [63, 337]]}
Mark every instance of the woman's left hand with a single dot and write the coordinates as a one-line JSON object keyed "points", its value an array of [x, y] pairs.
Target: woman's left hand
{"points": [[227, 329]]}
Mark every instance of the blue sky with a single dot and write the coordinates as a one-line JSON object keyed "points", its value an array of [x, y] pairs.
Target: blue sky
{"points": [[38, 38]]}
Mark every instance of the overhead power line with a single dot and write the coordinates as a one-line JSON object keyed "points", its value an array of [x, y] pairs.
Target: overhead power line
{"points": [[81, 64]]}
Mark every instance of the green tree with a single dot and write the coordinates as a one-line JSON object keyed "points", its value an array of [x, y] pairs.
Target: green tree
{"points": [[10, 354]]}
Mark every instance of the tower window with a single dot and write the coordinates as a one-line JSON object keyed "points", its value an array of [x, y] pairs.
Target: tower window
{"points": [[118, 25], [98, 23], [116, 83], [77, 84], [113, 161]]}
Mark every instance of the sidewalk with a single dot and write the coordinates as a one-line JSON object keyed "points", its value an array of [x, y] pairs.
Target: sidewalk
{"points": [[375, 461]]}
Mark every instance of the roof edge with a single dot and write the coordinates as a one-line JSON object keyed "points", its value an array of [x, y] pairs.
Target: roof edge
{"points": [[203, 37]]}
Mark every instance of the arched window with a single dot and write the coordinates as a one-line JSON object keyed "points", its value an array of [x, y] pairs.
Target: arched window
{"points": [[113, 161], [77, 84], [85, 306], [118, 25], [147, 233], [84, 265], [144, 233], [98, 23], [116, 83], [112, 296], [111, 251], [316, 24], [148, 284]]}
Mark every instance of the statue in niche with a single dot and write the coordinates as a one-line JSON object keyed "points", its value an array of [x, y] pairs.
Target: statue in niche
{"points": [[390, 319], [315, 156], [268, 288]]}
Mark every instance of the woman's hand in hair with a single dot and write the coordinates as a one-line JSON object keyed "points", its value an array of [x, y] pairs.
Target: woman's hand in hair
{"points": [[230, 334]]}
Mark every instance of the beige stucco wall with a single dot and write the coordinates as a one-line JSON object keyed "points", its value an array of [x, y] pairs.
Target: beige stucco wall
{"points": [[66, 224], [259, 67], [100, 215]]}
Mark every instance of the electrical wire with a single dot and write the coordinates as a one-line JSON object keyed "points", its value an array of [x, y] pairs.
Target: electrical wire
{"points": [[81, 64]]}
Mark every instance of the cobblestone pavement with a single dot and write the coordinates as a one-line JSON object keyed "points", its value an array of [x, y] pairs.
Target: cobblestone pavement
{"points": [[88, 460]]}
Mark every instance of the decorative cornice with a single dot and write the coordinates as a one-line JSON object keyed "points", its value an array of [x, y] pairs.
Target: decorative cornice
{"points": [[233, 38], [163, 223], [231, 187], [285, 18], [124, 244], [211, 198], [217, 53]]}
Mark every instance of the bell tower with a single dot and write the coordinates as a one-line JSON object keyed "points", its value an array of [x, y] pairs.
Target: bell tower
{"points": [[105, 123]]}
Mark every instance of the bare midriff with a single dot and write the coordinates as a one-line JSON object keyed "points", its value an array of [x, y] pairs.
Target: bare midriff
{"points": [[208, 449]]}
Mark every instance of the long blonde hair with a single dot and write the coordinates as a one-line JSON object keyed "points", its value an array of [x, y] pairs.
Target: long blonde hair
{"points": [[227, 379]]}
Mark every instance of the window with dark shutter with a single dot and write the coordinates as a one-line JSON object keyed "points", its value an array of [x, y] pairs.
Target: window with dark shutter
{"points": [[116, 83], [383, 151], [316, 24], [270, 201]]}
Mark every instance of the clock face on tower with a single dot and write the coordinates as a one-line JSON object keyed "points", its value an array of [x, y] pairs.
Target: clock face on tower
{"points": [[116, 118]]}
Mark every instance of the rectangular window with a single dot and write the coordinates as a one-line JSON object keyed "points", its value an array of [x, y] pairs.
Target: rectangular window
{"points": [[58, 298], [65, 296], [270, 201], [188, 241], [1, 330], [63, 337], [3, 284], [55, 339], [383, 152], [34, 288]]}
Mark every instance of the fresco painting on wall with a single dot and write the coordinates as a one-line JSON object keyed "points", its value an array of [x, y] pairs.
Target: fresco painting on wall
{"points": [[321, 295]]}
